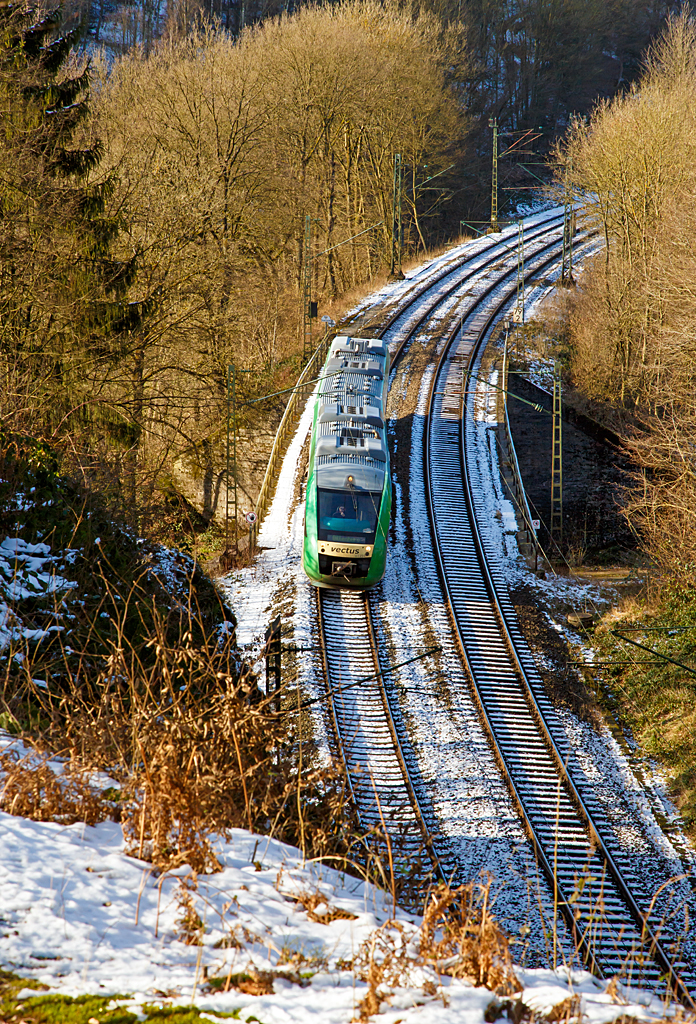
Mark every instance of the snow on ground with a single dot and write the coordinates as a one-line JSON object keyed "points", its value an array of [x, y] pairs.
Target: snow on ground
{"points": [[251, 591], [459, 781], [276, 579], [29, 571], [394, 291], [470, 803], [634, 809], [81, 917]]}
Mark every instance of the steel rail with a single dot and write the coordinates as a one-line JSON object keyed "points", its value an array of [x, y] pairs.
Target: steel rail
{"points": [[499, 247], [482, 261], [365, 733], [340, 657], [468, 584]]}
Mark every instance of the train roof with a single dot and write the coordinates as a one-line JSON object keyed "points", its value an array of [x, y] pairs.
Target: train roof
{"points": [[345, 345], [355, 415], [349, 431]]}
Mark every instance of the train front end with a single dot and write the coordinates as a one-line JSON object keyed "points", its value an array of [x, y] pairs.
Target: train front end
{"points": [[348, 497]]}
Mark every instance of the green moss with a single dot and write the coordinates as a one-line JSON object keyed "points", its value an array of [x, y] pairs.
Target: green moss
{"points": [[10, 985], [64, 1010], [186, 1014], [56, 1009]]}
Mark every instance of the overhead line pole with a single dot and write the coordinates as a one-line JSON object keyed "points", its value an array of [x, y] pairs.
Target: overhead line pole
{"points": [[520, 270], [557, 461], [307, 309], [397, 232], [493, 123]]}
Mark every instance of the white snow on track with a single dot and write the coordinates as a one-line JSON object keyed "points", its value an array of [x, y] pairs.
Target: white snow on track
{"points": [[456, 768]]}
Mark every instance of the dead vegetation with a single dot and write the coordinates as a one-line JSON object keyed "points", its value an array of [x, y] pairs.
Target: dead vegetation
{"points": [[318, 908], [630, 328], [30, 788], [172, 714], [459, 938], [208, 155]]}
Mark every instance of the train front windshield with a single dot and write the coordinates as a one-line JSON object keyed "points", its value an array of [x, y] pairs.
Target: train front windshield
{"points": [[348, 517]]}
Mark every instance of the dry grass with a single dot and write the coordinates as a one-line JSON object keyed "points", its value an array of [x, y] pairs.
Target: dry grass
{"points": [[650, 696], [319, 909], [190, 925], [459, 938], [30, 788], [567, 1010], [255, 983], [170, 712]]}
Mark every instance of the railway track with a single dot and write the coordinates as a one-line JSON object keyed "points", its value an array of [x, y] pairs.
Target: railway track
{"points": [[363, 724], [589, 887], [612, 928], [365, 730]]}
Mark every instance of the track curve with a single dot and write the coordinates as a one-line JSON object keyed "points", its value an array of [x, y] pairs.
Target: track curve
{"points": [[611, 929], [613, 933]]}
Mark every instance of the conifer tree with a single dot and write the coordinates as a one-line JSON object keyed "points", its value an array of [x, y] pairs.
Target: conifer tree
{"points": [[64, 321]]}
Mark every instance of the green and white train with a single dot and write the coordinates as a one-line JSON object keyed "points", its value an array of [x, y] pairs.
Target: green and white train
{"points": [[349, 485]]}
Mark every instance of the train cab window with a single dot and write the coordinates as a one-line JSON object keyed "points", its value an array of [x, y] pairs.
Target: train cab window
{"points": [[348, 517]]}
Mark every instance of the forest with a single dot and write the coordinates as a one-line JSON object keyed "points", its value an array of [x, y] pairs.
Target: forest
{"points": [[156, 193], [630, 353], [631, 328]]}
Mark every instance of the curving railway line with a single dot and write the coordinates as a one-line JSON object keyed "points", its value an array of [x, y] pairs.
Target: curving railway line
{"points": [[592, 884]]}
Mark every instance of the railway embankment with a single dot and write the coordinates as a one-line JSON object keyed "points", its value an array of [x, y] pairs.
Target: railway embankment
{"points": [[641, 631]]}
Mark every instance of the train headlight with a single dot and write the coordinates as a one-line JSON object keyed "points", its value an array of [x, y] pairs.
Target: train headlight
{"points": [[368, 550]]}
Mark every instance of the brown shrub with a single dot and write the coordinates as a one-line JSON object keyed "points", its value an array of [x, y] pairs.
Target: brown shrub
{"points": [[459, 937], [462, 938], [31, 789], [385, 960], [167, 708]]}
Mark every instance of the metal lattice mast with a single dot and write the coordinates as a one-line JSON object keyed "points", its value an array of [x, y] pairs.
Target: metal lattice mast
{"points": [[227, 470], [568, 232], [401, 221], [557, 461], [307, 291], [397, 231], [231, 454], [493, 123], [519, 305], [567, 260], [518, 311], [571, 230]]}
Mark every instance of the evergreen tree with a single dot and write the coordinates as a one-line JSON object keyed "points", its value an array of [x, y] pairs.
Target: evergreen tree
{"points": [[64, 321]]}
